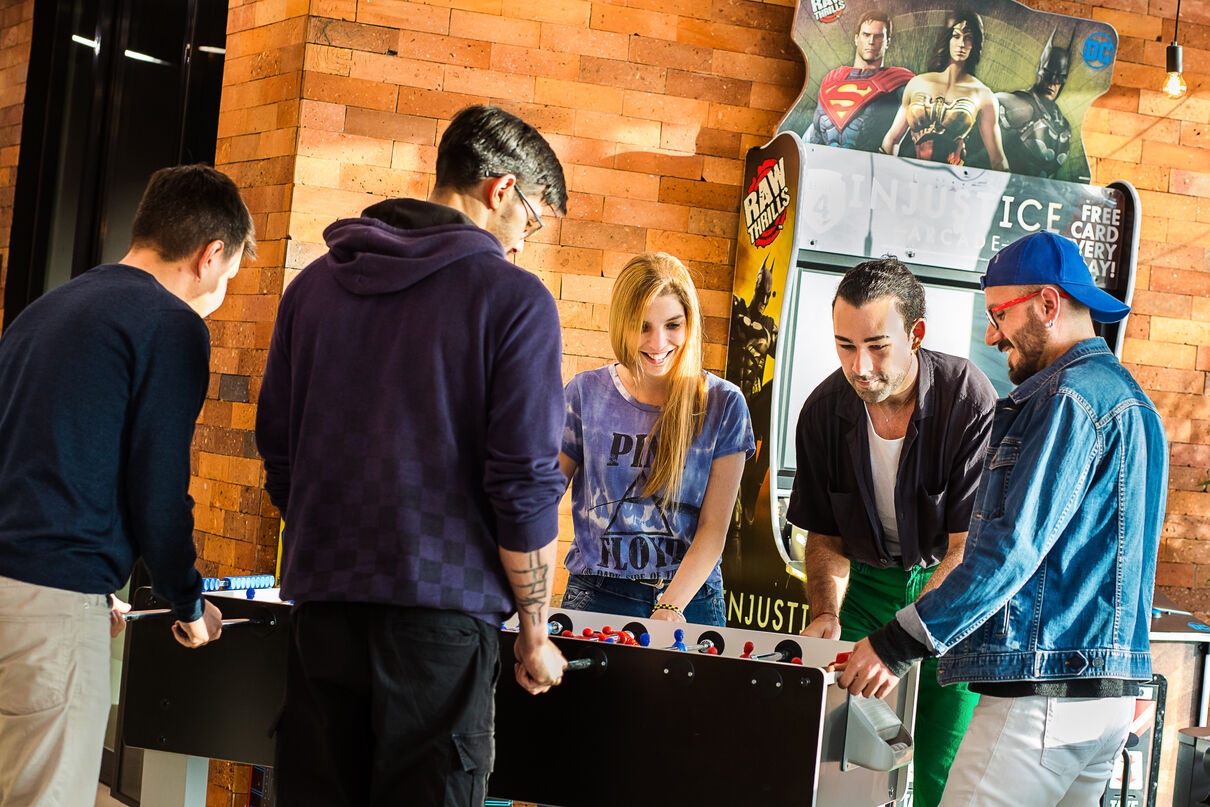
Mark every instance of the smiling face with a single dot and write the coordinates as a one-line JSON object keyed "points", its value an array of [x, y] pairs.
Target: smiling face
{"points": [[1019, 333], [962, 42], [661, 335], [875, 349]]}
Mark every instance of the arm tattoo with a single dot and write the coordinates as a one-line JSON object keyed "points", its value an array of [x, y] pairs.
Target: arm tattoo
{"points": [[530, 587]]}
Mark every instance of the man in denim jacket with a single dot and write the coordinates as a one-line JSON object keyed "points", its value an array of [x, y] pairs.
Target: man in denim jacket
{"points": [[1047, 616]]}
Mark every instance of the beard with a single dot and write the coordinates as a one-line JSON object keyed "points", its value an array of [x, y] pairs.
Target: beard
{"points": [[1030, 343], [884, 385]]}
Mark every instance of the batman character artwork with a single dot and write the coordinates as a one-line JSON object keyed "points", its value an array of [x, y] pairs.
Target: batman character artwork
{"points": [[1037, 137]]}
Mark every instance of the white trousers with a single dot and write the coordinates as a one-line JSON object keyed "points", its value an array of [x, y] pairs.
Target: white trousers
{"points": [[54, 694], [1038, 752]]}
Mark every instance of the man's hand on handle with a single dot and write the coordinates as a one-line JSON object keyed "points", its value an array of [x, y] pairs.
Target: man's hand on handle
{"points": [[200, 631], [539, 664]]}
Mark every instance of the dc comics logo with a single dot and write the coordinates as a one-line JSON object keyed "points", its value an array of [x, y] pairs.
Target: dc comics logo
{"points": [[1098, 51]]}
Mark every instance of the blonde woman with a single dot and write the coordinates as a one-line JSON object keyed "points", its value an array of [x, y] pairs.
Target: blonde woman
{"points": [[654, 448]]}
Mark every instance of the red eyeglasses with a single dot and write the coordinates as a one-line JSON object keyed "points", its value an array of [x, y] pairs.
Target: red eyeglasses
{"points": [[991, 312]]}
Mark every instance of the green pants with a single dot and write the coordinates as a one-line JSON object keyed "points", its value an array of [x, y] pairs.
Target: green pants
{"points": [[873, 597]]}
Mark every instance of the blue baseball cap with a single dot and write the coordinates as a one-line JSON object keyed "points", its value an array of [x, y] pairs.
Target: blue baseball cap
{"points": [[1046, 259]]}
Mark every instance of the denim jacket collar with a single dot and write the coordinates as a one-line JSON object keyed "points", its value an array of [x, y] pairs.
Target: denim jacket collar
{"points": [[1086, 347]]}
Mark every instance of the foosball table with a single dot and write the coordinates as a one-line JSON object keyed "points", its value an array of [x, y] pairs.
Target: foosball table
{"points": [[649, 712]]}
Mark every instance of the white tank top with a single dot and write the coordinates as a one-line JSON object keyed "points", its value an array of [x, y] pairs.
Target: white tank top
{"points": [[884, 465]]}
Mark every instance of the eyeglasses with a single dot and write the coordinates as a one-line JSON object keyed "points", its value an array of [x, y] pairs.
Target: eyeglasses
{"points": [[533, 221], [991, 312]]}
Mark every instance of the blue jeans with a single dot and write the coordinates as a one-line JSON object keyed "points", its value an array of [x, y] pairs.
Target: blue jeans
{"points": [[617, 595]]}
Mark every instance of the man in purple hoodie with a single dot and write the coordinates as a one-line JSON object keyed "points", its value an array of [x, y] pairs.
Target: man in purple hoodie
{"points": [[409, 421]]}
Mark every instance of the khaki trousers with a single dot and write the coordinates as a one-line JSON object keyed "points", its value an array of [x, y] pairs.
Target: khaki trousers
{"points": [[54, 694]]}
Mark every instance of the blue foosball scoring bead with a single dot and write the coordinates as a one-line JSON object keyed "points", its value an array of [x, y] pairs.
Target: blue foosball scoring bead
{"points": [[678, 639], [250, 594], [645, 639]]}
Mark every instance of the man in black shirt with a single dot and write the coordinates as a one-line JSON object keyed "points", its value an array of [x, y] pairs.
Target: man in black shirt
{"points": [[889, 451], [101, 382]]}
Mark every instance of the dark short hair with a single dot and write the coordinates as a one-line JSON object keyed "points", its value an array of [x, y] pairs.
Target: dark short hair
{"points": [[874, 15], [484, 140], [940, 56], [186, 207], [885, 277]]}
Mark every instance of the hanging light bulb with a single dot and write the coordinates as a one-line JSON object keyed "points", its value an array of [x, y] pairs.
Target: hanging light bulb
{"points": [[1174, 85]]}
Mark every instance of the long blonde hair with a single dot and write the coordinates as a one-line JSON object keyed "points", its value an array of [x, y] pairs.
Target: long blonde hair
{"points": [[644, 278]]}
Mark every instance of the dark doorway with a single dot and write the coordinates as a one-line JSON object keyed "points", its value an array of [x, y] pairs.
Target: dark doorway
{"points": [[116, 89]]}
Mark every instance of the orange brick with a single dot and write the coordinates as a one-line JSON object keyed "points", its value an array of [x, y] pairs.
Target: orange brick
{"points": [[1143, 76], [615, 73], [525, 33], [577, 95], [384, 183], [639, 213], [1168, 205], [624, 20], [609, 182], [387, 70], [1140, 26], [1143, 177], [321, 115], [351, 91], [405, 15], [653, 162], [444, 49], [569, 260], [586, 206], [665, 53], [573, 39], [1116, 147], [534, 62], [325, 59], [789, 71], [601, 235], [316, 172], [473, 81], [689, 247], [343, 148], [587, 288], [755, 15], [390, 126], [546, 118], [341, 34], [432, 103], [743, 119], [586, 343], [1193, 183], [1123, 99], [1159, 354], [1176, 306], [723, 171], [1195, 134], [736, 38], [713, 222], [610, 127], [586, 150], [650, 106], [414, 158], [773, 97], [1190, 108], [699, 194]]}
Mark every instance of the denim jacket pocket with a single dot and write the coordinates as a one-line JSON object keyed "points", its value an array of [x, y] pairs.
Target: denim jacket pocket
{"points": [[997, 470]]}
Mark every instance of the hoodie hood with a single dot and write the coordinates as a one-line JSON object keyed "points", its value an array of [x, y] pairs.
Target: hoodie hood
{"points": [[397, 243]]}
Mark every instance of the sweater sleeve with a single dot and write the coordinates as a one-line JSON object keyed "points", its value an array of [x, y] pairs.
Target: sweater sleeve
{"points": [[165, 404], [273, 413], [525, 420]]}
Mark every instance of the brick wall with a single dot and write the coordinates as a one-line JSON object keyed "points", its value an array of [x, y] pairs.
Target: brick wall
{"points": [[329, 105], [16, 32]]}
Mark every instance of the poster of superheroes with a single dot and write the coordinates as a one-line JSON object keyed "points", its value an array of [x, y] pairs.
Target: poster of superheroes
{"points": [[986, 84]]}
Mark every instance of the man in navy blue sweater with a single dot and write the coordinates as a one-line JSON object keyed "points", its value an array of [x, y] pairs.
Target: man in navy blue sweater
{"points": [[409, 421], [101, 382]]}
